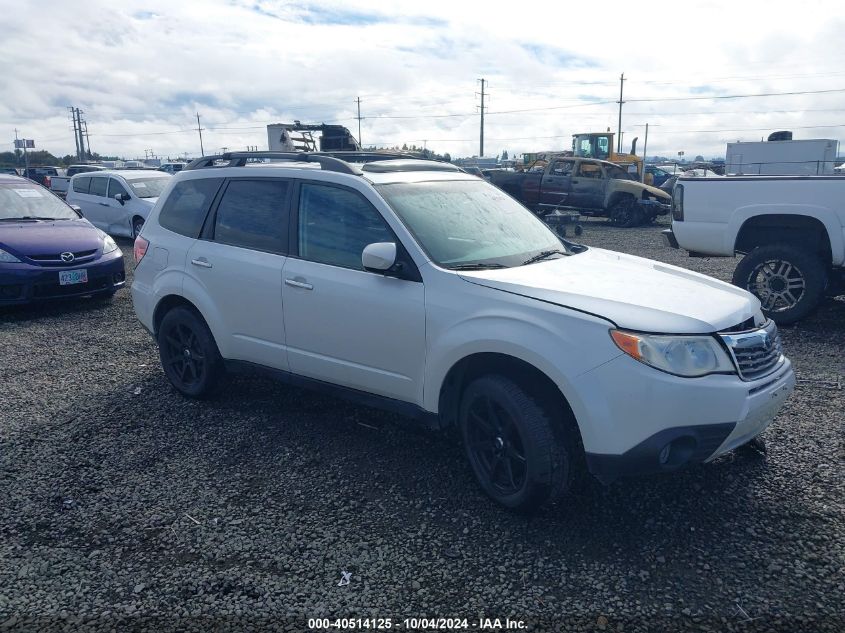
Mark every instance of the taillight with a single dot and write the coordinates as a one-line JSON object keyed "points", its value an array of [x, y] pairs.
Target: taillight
{"points": [[141, 246], [47, 181]]}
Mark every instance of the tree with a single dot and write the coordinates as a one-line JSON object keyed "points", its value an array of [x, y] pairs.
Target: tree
{"points": [[405, 146], [504, 154], [447, 157]]}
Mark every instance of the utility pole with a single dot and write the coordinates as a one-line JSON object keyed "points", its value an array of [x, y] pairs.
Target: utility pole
{"points": [[75, 136], [199, 129], [358, 100], [645, 149], [79, 133], [17, 155], [619, 134], [481, 134], [87, 140]]}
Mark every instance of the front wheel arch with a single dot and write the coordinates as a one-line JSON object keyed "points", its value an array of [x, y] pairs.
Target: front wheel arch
{"points": [[528, 377]]}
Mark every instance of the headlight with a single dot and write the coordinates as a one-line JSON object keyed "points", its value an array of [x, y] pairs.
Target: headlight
{"points": [[109, 245], [7, 258], [680, 355]]}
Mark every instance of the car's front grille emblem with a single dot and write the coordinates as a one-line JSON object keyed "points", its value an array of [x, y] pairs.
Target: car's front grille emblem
{"points": [[67, 257]]}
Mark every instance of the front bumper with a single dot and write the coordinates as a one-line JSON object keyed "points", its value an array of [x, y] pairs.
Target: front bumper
{"points": [[630, 422], [655, 207], [669, 238], [25, 283]]}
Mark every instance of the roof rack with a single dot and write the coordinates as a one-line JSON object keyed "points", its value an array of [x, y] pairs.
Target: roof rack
{"points": [[341, 162], [239, 159]]}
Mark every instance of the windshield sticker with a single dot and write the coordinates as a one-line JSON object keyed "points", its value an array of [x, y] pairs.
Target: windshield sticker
{"points": [[28, 193]]}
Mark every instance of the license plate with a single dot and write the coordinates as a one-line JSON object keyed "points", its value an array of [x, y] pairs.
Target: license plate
{"points": [[69, 277]]}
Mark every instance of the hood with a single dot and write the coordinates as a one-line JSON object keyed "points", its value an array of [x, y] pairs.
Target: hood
{"points": [[632, 292], [44, 237], [636, 187], [657, 191]]}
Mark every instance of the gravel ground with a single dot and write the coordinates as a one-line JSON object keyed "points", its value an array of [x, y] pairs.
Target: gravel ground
{"points": [[125, 506]]}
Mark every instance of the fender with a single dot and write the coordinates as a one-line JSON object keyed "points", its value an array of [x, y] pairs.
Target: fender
{"points": [[194, 292], [535, 343], [826, 216]]}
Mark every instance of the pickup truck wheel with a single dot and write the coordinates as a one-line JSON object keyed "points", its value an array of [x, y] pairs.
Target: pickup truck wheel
{"points": [[626, 214], [189, 355], [511, 445], [788, 280]]}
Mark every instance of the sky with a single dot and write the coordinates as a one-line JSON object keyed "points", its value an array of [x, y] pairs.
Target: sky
{"points": [[141, 71]]}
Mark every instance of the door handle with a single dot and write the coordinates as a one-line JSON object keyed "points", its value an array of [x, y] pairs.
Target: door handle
{"points": [[103, 204], [202, 262], [299, 284]]}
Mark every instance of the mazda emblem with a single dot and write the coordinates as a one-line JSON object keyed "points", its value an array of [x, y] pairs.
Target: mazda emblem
{"points": [[67, 257]]}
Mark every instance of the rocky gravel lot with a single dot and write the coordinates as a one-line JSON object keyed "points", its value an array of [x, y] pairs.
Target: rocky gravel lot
{"points": [[124, 506]]}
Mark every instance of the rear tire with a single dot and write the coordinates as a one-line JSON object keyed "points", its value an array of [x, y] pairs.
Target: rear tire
{"points": [[516, 454], [189, 355], [788, 280]]}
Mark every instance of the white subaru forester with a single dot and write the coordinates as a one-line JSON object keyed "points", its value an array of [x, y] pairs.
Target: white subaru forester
{"points": [[416, 287]]}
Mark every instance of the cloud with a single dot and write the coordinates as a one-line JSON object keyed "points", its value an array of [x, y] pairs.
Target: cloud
{"points": [[141, 70]]}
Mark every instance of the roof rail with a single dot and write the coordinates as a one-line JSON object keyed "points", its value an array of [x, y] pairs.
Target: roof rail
{"points": [[239, 159]]}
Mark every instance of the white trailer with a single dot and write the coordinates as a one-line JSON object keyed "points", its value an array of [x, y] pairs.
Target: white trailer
{"points": [[806, 157]]}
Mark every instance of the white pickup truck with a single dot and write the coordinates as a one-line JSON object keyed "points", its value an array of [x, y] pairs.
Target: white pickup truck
{"points": [[59, 184], [789, 229]]}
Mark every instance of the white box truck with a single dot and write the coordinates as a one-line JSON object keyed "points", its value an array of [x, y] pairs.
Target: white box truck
{"points": [[806, 157]]}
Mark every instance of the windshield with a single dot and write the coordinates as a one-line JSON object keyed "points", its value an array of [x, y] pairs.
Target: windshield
{"points": [[148, 187], [464, 223], [31, 201]]}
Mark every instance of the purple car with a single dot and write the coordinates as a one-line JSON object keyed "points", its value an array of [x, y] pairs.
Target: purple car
{"points": [[48, 251]]}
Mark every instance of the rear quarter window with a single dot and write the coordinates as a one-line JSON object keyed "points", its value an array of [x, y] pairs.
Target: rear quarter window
{"points": [[187, 205], [80, 185], [98, 186]]}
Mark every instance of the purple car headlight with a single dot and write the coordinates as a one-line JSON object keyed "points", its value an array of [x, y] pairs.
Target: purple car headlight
{"points": [[7, 258]]}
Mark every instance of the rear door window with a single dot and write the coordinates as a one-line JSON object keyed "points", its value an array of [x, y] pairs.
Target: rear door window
{"points": [[98, 186], [253, 214], [186, 207]]}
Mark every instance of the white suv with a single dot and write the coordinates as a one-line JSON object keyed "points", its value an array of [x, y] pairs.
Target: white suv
{"points": [[414, 286]]}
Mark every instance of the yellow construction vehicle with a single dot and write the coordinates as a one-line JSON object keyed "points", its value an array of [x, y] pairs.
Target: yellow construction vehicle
{"points": [[600, 145]]}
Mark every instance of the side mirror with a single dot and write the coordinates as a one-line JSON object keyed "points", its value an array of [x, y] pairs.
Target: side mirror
{"points": [[77, 209], [121, 197], [379, 257]]}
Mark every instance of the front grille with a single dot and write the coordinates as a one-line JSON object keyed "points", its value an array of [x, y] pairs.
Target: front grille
{"points": [[756, 353], [54, 290], [55, 259]]}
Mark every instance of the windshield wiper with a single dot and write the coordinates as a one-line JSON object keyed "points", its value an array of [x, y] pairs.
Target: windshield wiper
{"points": [[26, 217], [543, 255], [476, 266]]}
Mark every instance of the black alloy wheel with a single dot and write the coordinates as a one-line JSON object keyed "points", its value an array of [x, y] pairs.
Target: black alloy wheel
{"points": [[188, 353], [518, 451], [495, 446]]}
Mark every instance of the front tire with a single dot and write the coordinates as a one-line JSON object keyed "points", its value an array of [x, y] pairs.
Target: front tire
{"points": [[626, 214], [513, 448], [788, 280], [137, 225], [189, 355]]}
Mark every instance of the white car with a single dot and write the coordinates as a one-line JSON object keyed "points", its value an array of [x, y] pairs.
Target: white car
{"points": [[118, 201], [416, 287]]}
